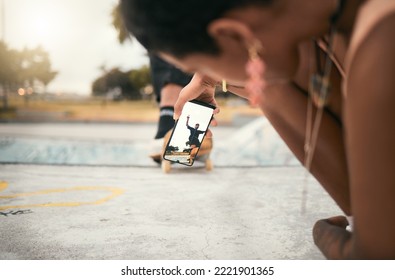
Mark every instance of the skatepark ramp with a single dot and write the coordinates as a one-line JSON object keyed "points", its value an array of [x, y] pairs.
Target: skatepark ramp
{"points": [[254, 144]]}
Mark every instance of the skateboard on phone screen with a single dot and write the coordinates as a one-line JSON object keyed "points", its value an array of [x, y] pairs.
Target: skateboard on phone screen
{"points": [[202, 154]]}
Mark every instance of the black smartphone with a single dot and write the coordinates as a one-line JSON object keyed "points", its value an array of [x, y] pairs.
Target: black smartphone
{"points": [[189, 132]]}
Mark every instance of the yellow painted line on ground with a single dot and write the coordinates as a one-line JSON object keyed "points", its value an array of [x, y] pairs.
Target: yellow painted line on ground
{"points": [[3, 185], [114, 192]]}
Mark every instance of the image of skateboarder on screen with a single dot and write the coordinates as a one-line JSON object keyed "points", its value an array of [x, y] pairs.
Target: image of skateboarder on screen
{"points": [[193, 140]]}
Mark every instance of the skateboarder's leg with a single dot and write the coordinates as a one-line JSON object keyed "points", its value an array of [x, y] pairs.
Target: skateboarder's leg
{"points": [[168, 82]]}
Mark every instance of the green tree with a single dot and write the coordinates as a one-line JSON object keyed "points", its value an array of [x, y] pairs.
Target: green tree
{"points": [[130, 82], [5, 73], [99, 86], [6, 64], [118, 24], [35, 67], [140, 77], [25, 68], [115, 79]]}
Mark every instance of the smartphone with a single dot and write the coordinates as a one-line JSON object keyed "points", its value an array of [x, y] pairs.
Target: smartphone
{"points": [[189, 132]]}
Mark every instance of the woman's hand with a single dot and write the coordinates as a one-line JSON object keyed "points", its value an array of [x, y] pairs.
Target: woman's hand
{"points": [[201, 88], [332, 238]]}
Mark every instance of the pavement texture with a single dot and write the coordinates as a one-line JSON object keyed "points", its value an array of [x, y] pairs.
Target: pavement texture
{"points": [[63, 206]]}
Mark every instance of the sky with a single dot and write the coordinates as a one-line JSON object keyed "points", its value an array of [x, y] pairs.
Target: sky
{"points": [[77, 34]]}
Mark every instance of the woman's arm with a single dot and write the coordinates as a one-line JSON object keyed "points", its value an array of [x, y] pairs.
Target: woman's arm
{"points": [[370, 134], [285, 107]]}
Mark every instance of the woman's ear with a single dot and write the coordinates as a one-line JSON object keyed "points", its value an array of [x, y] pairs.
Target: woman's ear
{"points": [[224, 30]]}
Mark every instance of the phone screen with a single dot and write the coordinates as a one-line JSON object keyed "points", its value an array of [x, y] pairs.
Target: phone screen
{"points": [[189, 132]]}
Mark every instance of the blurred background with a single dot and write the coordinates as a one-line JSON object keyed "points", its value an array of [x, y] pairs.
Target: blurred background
{"points": [[72, 60], [76, 89]]}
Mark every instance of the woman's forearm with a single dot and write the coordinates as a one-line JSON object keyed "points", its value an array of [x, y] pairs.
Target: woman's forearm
{"points": [[285, 107]]}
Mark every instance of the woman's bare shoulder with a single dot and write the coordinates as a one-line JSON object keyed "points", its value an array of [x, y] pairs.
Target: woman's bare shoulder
{"points": [[375, 59]]}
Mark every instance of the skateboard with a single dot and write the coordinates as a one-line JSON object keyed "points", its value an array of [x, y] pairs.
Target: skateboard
{"points": [[203, 154]]}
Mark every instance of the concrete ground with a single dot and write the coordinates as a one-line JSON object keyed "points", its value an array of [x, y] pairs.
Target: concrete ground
{"points": [[248, 207]]}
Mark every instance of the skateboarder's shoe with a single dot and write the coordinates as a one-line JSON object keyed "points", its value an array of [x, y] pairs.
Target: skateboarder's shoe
{"points": [[156, 150]]}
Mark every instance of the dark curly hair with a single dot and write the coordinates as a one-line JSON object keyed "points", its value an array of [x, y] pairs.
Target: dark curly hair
{"points": [[177, 27]]}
